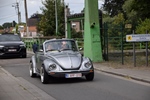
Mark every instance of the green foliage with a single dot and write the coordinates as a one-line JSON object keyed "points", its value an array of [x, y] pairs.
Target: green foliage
{"points": [[142, 8], [7, 25], [113, 7], [143, 26], [131, 15], [47, 23], [115, 24], [75, 34], [1, 27], [137, 9], [114, 28], [118, 19], [133, 11], [127, 6]]}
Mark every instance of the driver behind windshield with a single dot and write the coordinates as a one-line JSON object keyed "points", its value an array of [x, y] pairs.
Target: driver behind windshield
{"points": [[64, 45]]}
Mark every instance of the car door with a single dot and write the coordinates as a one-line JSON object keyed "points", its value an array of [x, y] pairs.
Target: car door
{"points": [[39, 57]]}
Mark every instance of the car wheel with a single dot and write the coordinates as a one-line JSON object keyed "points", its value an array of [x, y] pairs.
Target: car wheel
{"points": [[44, 75], [89, 76], [31, 70]]}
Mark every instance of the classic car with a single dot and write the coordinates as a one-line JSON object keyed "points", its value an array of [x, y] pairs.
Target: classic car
{"points": [[11, 45], [60, 58]]}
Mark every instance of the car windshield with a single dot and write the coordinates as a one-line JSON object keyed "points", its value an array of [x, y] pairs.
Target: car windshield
{"points": [[60, 45], [7, 37]]}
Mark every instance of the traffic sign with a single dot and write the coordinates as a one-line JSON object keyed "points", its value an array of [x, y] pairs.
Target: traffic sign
{"points": [[138, 38]]}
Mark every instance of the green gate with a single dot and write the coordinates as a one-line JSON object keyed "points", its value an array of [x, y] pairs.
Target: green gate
{"points": [[113, 38], [114, 43]]}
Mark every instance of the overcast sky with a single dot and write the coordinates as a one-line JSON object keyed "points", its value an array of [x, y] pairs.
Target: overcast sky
{"points": [[9, 13]]}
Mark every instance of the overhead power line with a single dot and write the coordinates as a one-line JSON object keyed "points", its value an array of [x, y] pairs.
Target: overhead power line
{"points": [[7, 17], [6, 5]]}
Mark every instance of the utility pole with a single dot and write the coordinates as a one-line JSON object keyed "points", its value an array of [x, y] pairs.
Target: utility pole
{"points": [[16, 5], [26, 15], [19, 15]]}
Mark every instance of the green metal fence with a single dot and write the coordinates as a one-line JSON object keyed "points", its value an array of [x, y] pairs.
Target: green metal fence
{"points": [[30, 41], [114, 43]]}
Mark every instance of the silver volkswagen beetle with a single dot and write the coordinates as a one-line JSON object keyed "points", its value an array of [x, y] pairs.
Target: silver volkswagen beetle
{"points": [[60, 58]]}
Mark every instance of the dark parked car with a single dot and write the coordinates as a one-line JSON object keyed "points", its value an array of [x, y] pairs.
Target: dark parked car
{"points": [[60, 58], [11, 45]]}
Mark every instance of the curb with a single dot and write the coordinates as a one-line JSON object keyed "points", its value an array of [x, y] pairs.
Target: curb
{"points": [[124, 75]]}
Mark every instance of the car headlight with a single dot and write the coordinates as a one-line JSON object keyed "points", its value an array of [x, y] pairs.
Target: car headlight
{"points": [[88, 64], [1, 46], [52, 67], [22, 45]]}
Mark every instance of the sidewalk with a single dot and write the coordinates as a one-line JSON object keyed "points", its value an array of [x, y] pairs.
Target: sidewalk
{"points": [[142, 75], [12, 88]]}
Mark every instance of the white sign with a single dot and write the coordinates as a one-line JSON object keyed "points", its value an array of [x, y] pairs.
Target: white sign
{"points": [[138, 37]]}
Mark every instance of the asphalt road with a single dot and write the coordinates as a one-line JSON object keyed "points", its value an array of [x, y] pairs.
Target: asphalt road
{"points": [[104, 87]]}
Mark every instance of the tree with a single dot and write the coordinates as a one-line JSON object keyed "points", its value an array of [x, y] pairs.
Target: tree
{"points": [[143, 26], [47, 24], [1, 27], [131, 15], [142, 8], [7, 25], [113, 7], [137, 9]]}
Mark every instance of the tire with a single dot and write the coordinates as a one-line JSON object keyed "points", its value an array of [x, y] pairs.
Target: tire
{"points": [[90, 76], [31, 71], [44, 75]]}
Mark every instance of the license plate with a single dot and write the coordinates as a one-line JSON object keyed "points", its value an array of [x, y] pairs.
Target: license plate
{"points": [[73, 75], [12, 50]]}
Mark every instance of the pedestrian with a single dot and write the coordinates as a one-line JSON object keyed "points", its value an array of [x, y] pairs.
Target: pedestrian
{"points": [[35, 47]]}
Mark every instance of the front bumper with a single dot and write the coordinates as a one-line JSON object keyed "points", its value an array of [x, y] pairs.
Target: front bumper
{"points": [[63, 74], [18, 53]]}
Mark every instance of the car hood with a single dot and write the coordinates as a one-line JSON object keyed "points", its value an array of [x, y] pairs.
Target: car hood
{"points": [[12, 43], [68, 60]]}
